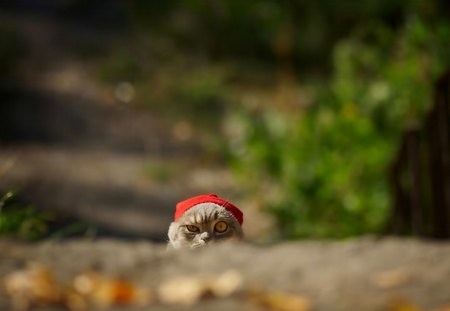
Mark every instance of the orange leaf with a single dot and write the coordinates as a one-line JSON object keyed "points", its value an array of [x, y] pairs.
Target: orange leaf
{"points": [[280, 301]]}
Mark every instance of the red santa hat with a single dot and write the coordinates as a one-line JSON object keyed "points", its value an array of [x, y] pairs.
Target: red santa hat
{"points": [[183, 206]]}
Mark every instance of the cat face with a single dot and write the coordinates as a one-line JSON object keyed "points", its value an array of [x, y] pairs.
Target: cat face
{"points": [[203, 224]]}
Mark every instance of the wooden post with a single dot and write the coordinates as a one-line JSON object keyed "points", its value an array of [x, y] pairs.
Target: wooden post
{"points": [[415, 187], [440, 159], [400, 215]]}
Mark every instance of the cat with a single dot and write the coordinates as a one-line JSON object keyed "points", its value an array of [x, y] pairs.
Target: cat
{"points": [[204, 219]]}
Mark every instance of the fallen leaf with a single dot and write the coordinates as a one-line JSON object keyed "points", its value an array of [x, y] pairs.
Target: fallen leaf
{"points": [[226, 283], [74, 301], [34, 285], [401, 304], [392, 278], [106, 291], [185, 290], [188, 290], [280, 301]]}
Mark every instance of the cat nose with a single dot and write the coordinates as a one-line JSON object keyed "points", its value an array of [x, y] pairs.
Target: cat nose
{"points": [[206, 237]]}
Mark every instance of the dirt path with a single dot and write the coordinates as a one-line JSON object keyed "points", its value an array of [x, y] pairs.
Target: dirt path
{"points": [[364, 274]]}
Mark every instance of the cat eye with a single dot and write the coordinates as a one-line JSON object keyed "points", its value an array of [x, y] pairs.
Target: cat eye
{"points": [[192, 228], [221, 227]]}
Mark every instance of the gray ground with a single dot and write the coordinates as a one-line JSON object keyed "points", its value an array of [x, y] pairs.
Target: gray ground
{"points": [[363, 274]]}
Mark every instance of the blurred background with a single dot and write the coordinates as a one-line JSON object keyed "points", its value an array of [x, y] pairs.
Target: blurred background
{"points": [[320, 119]]}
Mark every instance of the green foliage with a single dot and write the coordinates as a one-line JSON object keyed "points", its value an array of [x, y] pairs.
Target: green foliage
{"points": [[20, 221], [323, 169], [25, 222]]}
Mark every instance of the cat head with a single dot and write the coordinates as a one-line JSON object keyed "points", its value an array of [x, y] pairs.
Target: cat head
{"points": [[203, 220]]}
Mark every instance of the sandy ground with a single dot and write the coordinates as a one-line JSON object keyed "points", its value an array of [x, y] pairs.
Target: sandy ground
{"points": [[363, 274]]}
